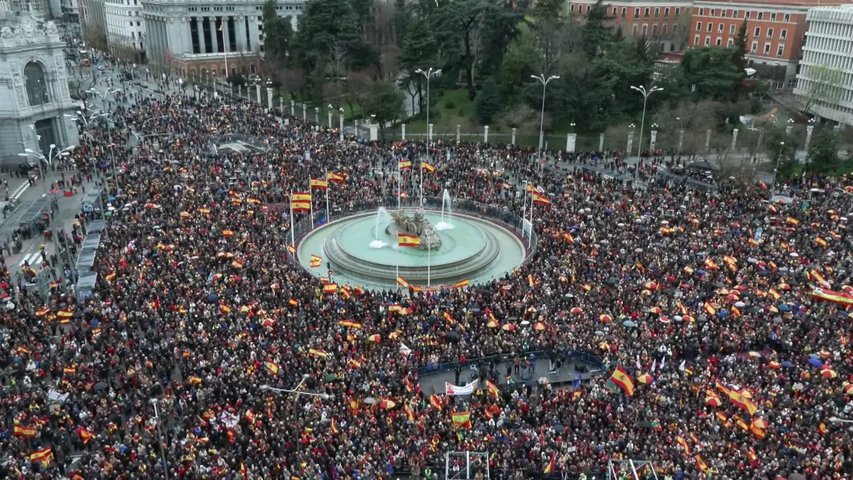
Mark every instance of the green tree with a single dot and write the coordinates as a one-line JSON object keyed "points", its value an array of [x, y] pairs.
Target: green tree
{"points": [[823, 152], [488, 103], [277, 35], [715, 72], [518, 63], [385, 101], [596, 31], [499, 29], [462, 19]]}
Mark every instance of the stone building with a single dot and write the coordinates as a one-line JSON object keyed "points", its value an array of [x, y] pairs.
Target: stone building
{"points": [[34, 92]]}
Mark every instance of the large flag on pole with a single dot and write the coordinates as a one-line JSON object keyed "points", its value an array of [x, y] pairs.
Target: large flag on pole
{"points": [[300, 201], [407, 240], [621, 379], [319, 183]]}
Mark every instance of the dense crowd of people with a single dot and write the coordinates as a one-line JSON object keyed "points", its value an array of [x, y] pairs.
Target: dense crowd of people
{"points": [[705, 300]]}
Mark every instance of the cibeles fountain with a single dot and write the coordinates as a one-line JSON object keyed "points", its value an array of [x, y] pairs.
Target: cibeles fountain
{"points": [[363, 250]]}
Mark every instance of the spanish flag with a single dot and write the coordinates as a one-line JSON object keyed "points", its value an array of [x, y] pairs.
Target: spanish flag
{"points": [[621, 379], [334, 427], [85, 435], [553, 463], [840, 298], [402, 281], [316, 352], [493, 389], [541, 199], [315, 261], [301, 196], [461, 419], [404, 164], [330, 289], [683, 444], [291, 249], [427, 167], [407, 240], [23, 431], [319, 183], [335, 177], [435, 402], [820, 242], [350, 324], [65, 314], [700, 463], [710, 309], [300, 205], [462, 284], [42, 456], [272, 368]]}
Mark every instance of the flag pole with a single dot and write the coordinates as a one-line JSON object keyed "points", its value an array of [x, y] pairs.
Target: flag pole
{"points": [[523, 206], [328, 218], [311, 204], [530, 235], [429, 262], [422, 183], [397, 259], [292, 232], [399, 184]]}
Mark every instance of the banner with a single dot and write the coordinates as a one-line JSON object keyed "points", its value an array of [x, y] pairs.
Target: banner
{"points": [[450, 389]]}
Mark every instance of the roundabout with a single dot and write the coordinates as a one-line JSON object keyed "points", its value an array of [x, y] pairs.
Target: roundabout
{"points": [[362, 250]]}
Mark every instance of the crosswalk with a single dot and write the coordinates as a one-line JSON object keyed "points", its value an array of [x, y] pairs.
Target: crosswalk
{"points": [[31, 259], [20, 190]]}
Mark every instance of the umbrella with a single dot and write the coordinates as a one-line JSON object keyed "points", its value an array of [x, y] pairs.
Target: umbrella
{"points": [[848, 389], [99, 386], [828, 373], [386, 404], [787, 364], [605, 318], [576, 310], [774, 365], [509, 327], [815, 362], [599, 333], [645, 379], [630, 323], [712, 401], [369, 401], [539, 326]]}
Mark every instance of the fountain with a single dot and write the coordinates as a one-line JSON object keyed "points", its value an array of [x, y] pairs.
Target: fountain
{"points": [[472, 249], [382, 218], [446, 205]]}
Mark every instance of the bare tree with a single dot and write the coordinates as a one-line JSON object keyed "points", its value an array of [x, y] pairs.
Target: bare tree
{"points": [[822, 87], [79, 85]]}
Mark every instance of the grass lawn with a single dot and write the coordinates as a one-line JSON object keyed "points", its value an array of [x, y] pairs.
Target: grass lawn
{"points": [[451, 108]]}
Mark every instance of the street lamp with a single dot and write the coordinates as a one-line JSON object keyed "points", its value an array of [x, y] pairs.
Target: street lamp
{"points": [[48, 160], [329, 112], [840, 420], [160, 438], [428, 73], [680, 136], [544, 81], [341, 129], [776, 168], [645, 93]]}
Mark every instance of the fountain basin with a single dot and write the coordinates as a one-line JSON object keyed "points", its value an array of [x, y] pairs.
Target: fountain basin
{"points": [[475, 249]]}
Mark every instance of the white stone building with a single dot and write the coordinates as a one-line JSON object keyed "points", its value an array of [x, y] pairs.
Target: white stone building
{"points": [[125, 28], [196, 38], [34, 93], [825, 80]]}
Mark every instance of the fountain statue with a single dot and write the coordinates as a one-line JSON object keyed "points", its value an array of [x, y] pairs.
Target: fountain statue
{"points": [[418, 225]]}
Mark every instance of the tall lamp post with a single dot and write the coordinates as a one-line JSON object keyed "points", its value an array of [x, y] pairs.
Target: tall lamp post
{"points": [[160, 438], [428, 73], [645, 93], [776, 168], [48, 160], [544, 81]]}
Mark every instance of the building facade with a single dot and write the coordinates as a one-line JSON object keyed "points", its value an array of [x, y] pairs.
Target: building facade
{"points": [[196, 38], [125, 29], [825, 80], [662, 22], [34, 94], [775, 32]]}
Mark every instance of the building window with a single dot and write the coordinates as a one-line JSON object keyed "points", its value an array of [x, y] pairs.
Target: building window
{"points": [[719, 42], [634, 31], [783, 34], [761, 15], [732, 29], [772, 17], [657, 12], [780, 50], [787, 17], [646, 12], [35, 84], [710, 27], [720, 28], [767, 48], [746, 14], [636, 13], [698, 26], [677, 11], [769, 33], [723, 13], [696, 40], [707, 41], [663, 29], [645, 30], [666, 12], [675, 29], [624, 12], [754, 47], [701, 12], [757, 32], [730, 43], [572, 8]]}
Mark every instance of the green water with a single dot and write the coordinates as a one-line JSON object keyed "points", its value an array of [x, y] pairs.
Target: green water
{"points": [[464, 240]]}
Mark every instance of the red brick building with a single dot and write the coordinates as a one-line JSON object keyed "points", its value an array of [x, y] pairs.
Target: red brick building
{"points": [[665, 22], [775, 31]]}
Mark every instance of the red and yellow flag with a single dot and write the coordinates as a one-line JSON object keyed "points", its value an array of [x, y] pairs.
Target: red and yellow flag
{"points": [[427, 167], [42, 456], [407, 240], [551, 464], [319, 183], [621, 379], [24, 431], [494, 391], [404, 164], [272, 368], [335, 177], [461, 419]]}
